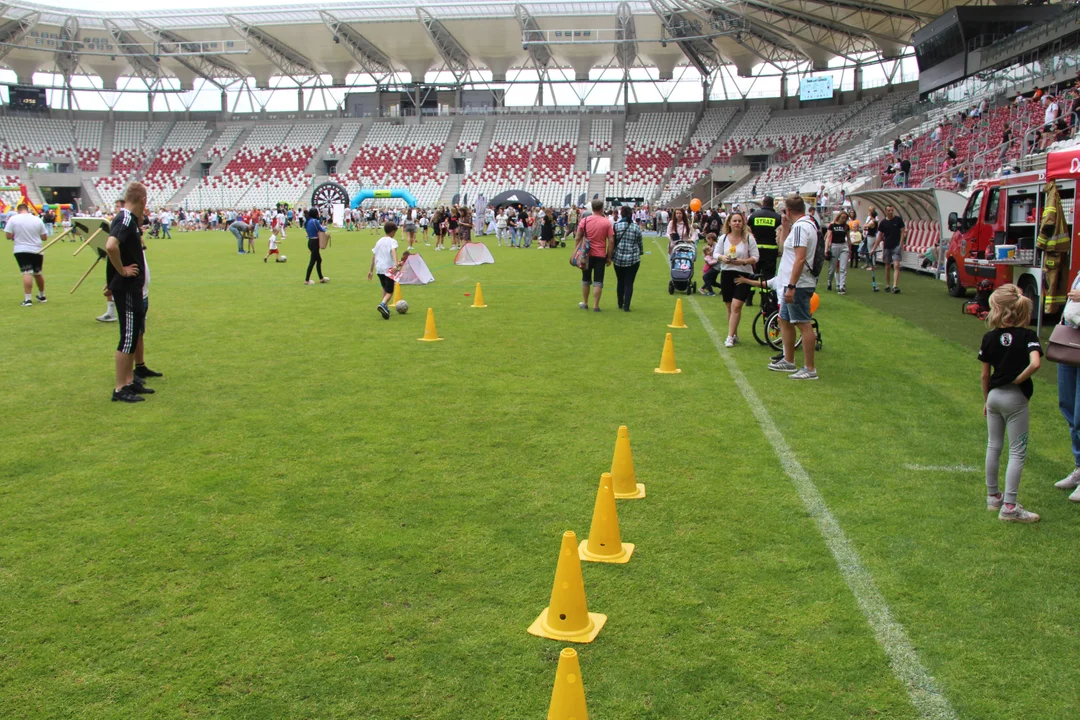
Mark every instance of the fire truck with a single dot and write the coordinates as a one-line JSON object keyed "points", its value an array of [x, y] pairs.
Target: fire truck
{"points": [[994, 237]]}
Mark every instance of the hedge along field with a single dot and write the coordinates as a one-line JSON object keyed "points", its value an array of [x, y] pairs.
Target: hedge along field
{"points": [[318, 516]]}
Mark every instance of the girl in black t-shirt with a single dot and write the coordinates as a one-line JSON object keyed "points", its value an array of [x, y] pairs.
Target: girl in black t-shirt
{"points": [[1010, 355], [837, 251]]}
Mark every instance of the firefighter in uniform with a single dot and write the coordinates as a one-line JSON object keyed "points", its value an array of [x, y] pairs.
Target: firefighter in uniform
{"points": [[764, 224], [1053, 241]]}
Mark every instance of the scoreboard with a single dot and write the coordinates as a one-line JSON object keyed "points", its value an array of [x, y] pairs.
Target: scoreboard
{"points": [[27, 97]]}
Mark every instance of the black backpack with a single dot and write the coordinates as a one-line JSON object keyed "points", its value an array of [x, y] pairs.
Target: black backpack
{"points": [[818, 262]]}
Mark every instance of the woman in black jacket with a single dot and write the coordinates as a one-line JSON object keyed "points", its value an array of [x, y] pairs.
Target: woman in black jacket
{"points": [[547, 231]]}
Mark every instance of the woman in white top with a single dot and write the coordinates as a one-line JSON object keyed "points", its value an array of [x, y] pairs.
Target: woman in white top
{"points": [[737, 253]]}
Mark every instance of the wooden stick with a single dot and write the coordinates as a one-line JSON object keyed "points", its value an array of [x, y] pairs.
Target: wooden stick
{"points": [[85, 275], [57, 239], [83, 246]]}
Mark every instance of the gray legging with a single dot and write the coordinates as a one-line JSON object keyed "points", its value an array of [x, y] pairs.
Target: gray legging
{"points": [[838, 264], [1006, 411]]}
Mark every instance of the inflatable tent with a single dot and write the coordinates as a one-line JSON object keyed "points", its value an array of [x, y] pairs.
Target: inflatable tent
{"points": [[414, 272], [473, 253]]}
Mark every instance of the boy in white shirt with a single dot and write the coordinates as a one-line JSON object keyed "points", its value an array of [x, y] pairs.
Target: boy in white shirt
{"points": [[273, 249], [384, 259], [28, 233]]}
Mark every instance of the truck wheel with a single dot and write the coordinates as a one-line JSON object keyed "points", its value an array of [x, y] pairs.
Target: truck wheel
{"points": [[952, 280]]}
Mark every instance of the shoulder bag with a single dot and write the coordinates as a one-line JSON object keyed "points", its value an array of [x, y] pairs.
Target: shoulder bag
{"points": [[1064, 346], [324, 240], [580, 258]]}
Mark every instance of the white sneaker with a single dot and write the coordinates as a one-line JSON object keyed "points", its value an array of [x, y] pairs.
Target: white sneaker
{"points": [[994, 502], [1075, 496], [106, 318], [804, 374], [1018, 515], [1070, 481], [730, 341]]}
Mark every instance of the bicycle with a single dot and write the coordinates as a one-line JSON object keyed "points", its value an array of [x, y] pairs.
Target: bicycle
{"points": [[766, 325]]}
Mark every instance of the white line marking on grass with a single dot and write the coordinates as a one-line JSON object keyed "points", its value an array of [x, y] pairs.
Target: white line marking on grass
{"points": [[941, 468], [928, 700]]}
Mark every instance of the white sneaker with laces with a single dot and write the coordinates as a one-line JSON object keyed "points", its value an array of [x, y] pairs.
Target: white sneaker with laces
{"points": [[1018, 514], [994, 502], [1075, 496], [1070, 481], [106, 318], [729, 342]]}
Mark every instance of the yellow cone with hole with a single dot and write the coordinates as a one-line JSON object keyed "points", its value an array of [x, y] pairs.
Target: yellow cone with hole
{"points": [[430, 333], [568, 695], [397, 294], [677, 320], [478, 298], [567, 616], [667, 360], [605, 543], [623, 478]]}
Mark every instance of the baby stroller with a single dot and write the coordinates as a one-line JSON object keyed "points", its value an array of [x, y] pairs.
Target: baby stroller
{"points": [[682, 269]]}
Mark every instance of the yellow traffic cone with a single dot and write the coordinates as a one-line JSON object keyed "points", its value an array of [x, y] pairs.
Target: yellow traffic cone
{"points": [[478, 298], [677, 321], [397, 294], [605, 543], [667, 360], [624, 481], [430, 334], [567, 616], [568, 695]]}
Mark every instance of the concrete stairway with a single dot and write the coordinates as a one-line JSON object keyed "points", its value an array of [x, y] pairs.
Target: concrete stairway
{"points": [[618, 145], [447, 156], [108, 139], [316, 166], [231, 152], [153, 147], [452, 187], [485, 144], [91, 198], [597, 183], [195, 166], [581, 157]]}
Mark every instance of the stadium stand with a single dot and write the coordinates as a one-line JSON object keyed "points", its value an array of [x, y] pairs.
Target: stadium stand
{"points": [[551, 162], [507, 163], [395, 155], [164, 177], [469, 140], [343, 139], [652, 143], [133, 141], [600, 136]]}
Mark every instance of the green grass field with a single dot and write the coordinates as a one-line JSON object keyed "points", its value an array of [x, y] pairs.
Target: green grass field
{"points": [[317, 516]]}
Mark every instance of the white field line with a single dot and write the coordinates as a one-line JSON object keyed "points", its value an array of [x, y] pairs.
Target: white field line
{"points": [[941, 468], [928, 700]]}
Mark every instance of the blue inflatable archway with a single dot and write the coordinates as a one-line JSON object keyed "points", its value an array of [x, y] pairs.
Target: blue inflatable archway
{"points": [[369, 194]]}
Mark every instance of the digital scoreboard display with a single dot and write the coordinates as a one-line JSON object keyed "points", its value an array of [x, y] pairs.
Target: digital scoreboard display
{"points": [[27, 97], [816, 88]]}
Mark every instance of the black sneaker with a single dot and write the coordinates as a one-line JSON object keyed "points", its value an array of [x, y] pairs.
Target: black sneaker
{"points": [[384, 311], [41, 299], [896, 291], [778, 357], [139, 389], [144, 372], [26, 303], [125, 395]]}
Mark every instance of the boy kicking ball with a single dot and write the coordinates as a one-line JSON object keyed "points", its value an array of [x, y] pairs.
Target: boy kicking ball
{"points": [[273, 249], [383, 261]]}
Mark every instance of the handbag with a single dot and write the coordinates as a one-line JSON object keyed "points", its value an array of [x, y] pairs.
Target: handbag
{"points": [[324, 240], [580, 258], [1064, 346]]}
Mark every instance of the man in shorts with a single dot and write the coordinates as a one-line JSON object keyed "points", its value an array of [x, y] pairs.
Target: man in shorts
{"points": [[28, 233], [125, 276], [891, 234], [597, 233], [799, 238]]}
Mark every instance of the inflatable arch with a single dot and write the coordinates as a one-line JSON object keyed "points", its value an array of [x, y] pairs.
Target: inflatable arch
{"points": [[368, 194]]}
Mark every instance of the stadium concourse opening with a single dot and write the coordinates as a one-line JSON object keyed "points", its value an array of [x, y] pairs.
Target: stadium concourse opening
{"points": [[238, 488]]}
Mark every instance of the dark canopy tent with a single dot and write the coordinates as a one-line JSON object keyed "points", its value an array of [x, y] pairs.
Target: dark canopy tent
{"points": [[514, 197]]}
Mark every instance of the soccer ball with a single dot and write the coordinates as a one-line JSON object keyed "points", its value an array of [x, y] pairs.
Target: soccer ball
{"points": [[401, 306], [283, 259]]}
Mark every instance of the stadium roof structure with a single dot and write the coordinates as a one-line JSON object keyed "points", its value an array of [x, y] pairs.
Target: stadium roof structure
{"points": [[384, 40]]}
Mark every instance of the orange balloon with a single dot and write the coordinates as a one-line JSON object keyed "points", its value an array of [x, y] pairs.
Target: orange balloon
{"points": [[695, 205], [814, 302]]}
